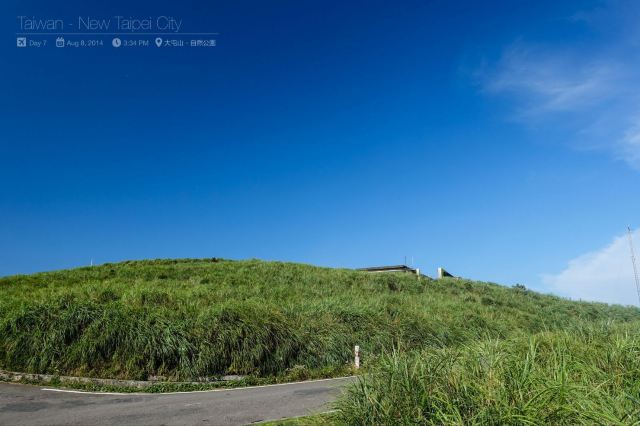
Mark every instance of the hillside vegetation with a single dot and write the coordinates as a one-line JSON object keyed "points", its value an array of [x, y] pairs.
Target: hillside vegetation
{"points": [[583, 377], [457, 341]]}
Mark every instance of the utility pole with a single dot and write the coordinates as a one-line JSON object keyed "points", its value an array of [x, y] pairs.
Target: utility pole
{"points": [[633, 261]]}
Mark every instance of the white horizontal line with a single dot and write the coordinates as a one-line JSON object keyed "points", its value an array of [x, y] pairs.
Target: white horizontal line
{"points": [[120, 34], [85, 392], [198, 391]]}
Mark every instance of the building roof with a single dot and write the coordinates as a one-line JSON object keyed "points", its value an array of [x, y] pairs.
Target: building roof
{"points": [[394, 268]]}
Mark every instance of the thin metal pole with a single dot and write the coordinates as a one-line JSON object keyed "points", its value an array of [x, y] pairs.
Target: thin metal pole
{"points": [[633, 261]]}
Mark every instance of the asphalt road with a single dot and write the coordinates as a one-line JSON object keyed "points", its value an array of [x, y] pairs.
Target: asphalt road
{"points": [[35, 405]]}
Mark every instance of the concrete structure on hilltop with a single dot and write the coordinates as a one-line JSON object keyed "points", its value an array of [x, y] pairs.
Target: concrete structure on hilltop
{"points": [[395, 268], [442, 273]]}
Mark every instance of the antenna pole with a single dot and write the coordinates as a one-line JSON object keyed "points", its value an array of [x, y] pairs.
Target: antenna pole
{"points": [[633, 261]]}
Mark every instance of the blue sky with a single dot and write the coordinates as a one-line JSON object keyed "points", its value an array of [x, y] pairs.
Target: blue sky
{"points": [[500, 140]]}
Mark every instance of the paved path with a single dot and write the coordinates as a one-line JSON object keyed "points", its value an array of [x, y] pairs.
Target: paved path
{"points": [[35, 405]]}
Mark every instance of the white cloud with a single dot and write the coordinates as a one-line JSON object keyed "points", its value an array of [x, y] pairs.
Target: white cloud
{"points": [[547, 82], [593, 89], [605, 275], [630, 146]]}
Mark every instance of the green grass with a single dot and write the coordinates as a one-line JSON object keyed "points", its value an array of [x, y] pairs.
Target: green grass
{"points": [[586, 377], [189, 319]]}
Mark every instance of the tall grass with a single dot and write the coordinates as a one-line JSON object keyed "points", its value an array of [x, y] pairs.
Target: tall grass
{"points": [[559, 378], [186, 319]]}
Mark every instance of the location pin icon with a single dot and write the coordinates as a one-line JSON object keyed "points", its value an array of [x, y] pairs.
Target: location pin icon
{"points": [[158, 41]]}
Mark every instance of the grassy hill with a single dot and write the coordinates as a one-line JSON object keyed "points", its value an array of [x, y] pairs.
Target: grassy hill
{"points": [[188, 319]]}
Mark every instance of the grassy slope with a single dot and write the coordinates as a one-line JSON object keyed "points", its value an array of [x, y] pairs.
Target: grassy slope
{"points": [[192, 318], [585, 377]]}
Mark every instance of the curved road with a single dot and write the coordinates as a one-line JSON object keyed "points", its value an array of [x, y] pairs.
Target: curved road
{"points": [[35, 405]]}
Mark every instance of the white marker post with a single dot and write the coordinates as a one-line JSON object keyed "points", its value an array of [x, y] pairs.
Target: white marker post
{"points": [[357, 356]]}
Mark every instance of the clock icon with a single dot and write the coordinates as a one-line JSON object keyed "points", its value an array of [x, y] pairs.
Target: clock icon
{"points": [[116, 42]]}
